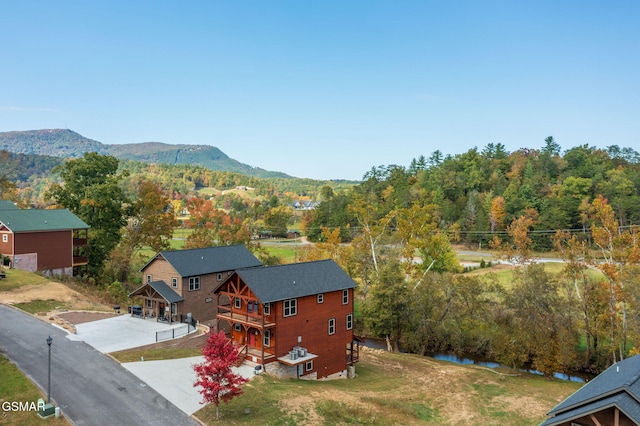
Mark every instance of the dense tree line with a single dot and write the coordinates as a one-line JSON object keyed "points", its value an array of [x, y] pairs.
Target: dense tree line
{"points": [[400, 224], [582, 204]]}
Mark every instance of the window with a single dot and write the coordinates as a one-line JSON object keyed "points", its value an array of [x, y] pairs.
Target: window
{"points": [[345, 297], [308, 366], [267, 337], [332, 326], [266, 308], [174, 282], [237, 327], [237, 303], [5, 238], [194, 283], [290, 307], [149, 303], [349, 321], [321, 298], [149, 278], [174, 308], [219, 277]]}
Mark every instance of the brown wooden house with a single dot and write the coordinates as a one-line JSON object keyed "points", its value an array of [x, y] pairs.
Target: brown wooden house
{"points": [[293, 320], [53, 241], [180, 284]]}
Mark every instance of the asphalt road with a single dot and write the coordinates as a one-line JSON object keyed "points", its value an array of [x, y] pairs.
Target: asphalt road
{"points": [[89, 387]]}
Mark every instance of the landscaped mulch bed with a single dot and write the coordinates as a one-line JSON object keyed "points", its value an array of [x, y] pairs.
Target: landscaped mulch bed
{"points": [[79, 317]]}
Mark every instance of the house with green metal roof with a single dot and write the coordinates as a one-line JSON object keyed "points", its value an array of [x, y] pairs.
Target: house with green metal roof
{"points": [[52, 241]]}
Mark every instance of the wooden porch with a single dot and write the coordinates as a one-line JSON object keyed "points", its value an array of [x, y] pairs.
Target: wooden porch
{"points": [[254, 355], [225, 312]]}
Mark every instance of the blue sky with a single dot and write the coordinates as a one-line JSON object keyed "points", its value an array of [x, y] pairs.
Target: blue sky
{"points": [[325, 89]]}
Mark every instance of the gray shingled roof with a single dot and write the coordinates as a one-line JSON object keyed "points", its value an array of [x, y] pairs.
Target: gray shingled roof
{"points": [[210, 260], [162, 289], [618, 385], [281, 282], [33, 220]]}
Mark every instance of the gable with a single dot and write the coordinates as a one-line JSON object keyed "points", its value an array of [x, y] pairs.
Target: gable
{"points": [[618, 386]]}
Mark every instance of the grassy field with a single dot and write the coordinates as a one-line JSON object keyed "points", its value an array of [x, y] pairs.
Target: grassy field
{"points": [[17, 278], [393, 388], [133, 355], [36, 306], [15, 387]]}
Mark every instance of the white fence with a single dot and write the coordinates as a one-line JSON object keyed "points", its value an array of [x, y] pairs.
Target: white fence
{"points": [[174, 332]]}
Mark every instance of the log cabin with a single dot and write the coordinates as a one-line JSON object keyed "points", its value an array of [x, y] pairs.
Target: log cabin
{"points": [[36, 240], [179, 285], [293, 320]]}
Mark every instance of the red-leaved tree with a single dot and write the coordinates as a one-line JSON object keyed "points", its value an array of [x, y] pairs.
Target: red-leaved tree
{"points": [[214, 375]]}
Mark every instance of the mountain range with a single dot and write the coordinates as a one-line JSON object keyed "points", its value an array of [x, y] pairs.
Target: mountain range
{"points": [[65, 143]]}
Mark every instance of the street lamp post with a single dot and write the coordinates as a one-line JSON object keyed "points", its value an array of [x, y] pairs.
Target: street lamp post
{"points": [[49, 341]]}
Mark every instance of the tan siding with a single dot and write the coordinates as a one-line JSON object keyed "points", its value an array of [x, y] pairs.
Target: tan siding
{"points": [[161, 270]]}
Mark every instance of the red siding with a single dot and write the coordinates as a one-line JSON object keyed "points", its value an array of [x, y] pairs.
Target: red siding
{"points": [[55, 249], [311, 323]]}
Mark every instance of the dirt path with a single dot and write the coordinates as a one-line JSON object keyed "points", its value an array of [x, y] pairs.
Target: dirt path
{"points": [[50, 290], [90, 310]]}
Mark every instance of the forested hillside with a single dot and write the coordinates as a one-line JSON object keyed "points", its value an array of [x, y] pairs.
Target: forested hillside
{"points": [[394, 233], [66, 143], [581, 206], [479, 192]]}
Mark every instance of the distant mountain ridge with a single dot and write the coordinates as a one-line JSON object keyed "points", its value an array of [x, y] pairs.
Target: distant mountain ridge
{"points": [[66, 143]]}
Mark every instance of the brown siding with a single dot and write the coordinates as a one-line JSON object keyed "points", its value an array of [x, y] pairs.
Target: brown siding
{"points": [[55, 249], [195, 302], [312, 324]]}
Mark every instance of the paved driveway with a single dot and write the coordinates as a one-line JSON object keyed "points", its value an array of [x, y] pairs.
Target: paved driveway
{"points": [[174, 379], [91, 388], [119, 333]]}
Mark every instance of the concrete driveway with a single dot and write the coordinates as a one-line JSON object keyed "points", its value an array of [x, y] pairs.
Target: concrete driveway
{"points": [[174, 379], [90, 388], [119, 333]]}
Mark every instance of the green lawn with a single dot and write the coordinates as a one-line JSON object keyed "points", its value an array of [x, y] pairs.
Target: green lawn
{"points": [[393, 388], [133, 355], [15, 387], [36, 306], [17, 278]]}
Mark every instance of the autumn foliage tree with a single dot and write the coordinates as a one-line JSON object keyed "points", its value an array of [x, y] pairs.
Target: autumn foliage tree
{"points": [[216, 378], [214, 227]]}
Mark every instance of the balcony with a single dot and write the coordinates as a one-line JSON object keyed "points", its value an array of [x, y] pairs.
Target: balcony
{"points": [[225, 312], [80, 242], [80, 260]]}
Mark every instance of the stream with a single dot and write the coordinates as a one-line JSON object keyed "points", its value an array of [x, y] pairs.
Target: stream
{"points": [[471, 360]]}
